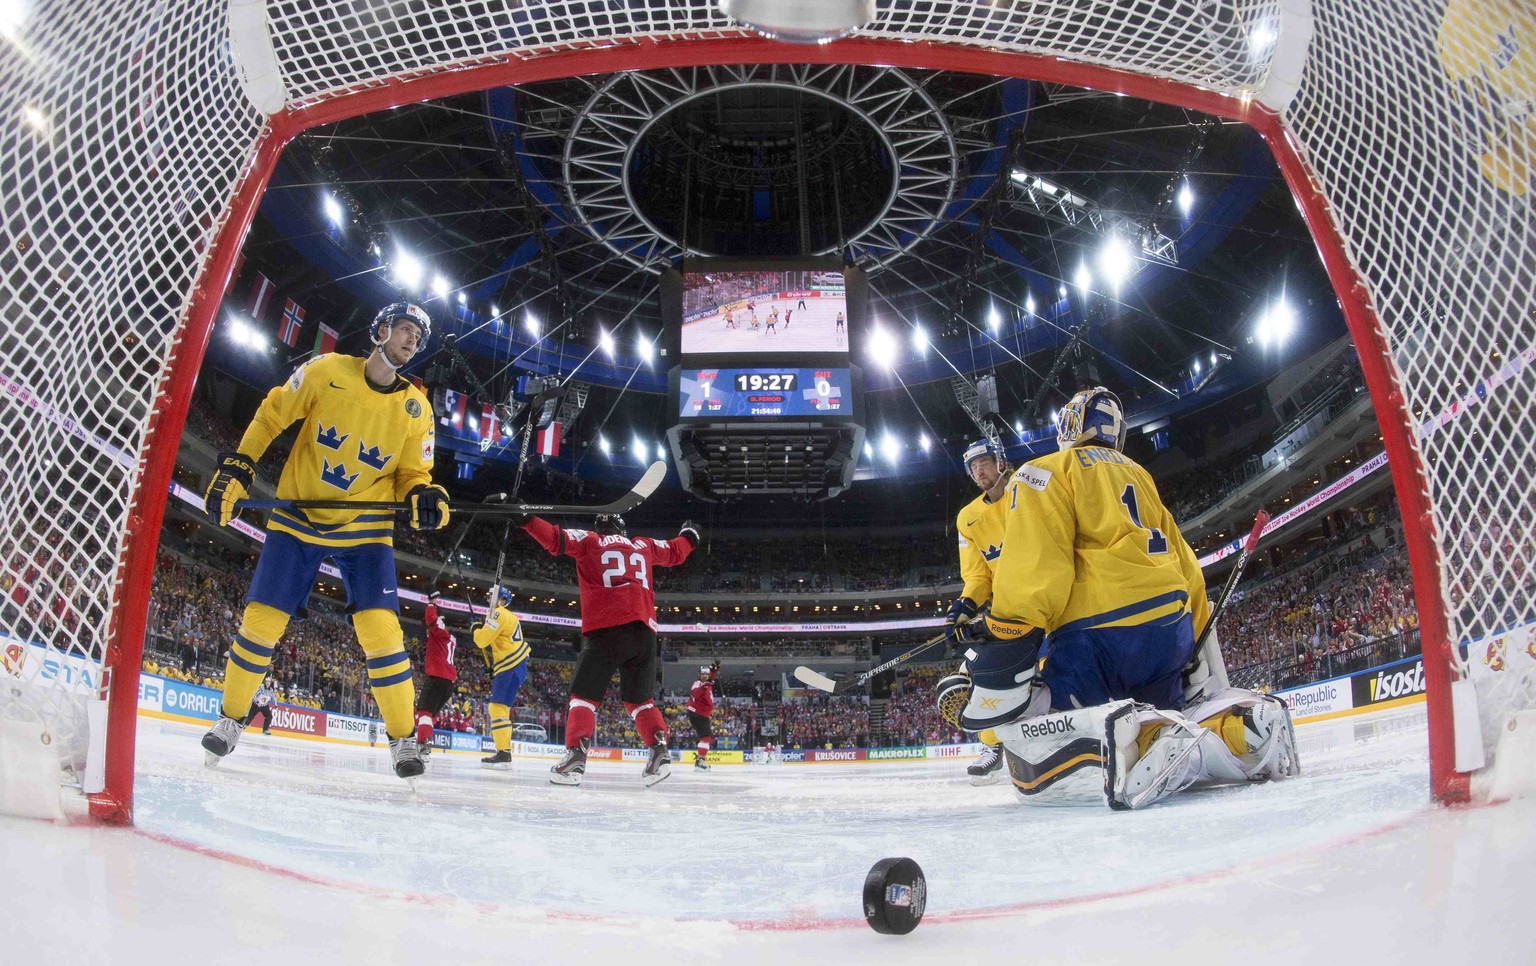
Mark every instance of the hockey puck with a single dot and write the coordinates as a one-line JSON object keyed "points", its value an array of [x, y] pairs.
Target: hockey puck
{"points": [[895, 894]]}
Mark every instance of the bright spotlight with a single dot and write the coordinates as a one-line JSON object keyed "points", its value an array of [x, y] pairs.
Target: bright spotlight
{"points": [[1197, 367], [1083, 279], [36, 119], [1213, 359], [440, 286], [882, 347], [661, 452], [1276, 325], [919, 339], [889, 448], [869, 451], [1029, 303], [531, 323], [1186, 199], [922, 441], [333, 210], [994, 319], [1018, 427], [1116, 262], [638, 447], [407, 270], [1062, 291], [645, 348], [606, 342], [603, 444]]}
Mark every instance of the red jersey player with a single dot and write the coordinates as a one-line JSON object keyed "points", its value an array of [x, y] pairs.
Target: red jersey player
{"points": [[618, 619], [701, 704], [440, 674]]}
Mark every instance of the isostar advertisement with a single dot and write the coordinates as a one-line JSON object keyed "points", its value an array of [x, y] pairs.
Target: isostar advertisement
{"points": [[1401, 680]]}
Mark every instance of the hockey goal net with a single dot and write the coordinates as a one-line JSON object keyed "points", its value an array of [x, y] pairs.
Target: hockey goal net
{"points": [[138, 136]]}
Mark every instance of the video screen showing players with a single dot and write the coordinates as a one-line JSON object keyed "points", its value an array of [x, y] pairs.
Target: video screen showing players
{"points": [[764, 312]]}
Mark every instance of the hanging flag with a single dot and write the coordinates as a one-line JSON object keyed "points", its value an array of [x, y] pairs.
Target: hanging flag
{"points": [[416, 381], [292, 322], [487, 422], [261, 294], [325, 339], [457, 405], [549, 440]]}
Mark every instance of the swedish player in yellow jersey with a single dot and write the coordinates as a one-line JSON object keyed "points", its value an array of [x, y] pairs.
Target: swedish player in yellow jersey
{"points": [[1096, 605], [979, 526], [500, 640], [366, 434]]}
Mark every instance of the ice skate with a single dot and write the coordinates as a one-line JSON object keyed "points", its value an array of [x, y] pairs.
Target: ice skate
{"points": [[699, 764], [501, 759], [987, 769], [1271, 741], [659, 766], [406, 757], [221, 739], [570, 769]]}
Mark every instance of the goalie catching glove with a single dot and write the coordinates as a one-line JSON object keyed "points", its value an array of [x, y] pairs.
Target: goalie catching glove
{"points": [[690, 530], [429, 506], [231, 483]]}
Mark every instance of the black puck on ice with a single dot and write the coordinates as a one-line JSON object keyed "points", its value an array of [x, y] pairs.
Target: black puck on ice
{"points": [[895, 894]]}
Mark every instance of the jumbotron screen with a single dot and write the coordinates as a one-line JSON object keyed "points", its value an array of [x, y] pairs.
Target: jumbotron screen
{"points": [[764, 312]]}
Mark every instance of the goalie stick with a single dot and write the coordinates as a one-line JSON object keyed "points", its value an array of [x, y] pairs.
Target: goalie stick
{"points": [[637, 495], [1259, 523], [823, 683]]}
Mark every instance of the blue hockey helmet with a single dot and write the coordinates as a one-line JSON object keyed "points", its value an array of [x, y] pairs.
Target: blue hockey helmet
{"points": [[504, 595], [1093, 417], [981, 449], [394, 312]]}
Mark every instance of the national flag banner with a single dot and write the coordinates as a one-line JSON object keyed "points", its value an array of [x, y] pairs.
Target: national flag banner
{"points": [[325, 339], [549, 440], [416, 381], [487, 422], [457, 405], [292, 322], [261, 294]]}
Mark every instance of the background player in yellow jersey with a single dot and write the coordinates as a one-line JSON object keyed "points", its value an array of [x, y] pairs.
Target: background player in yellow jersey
{"points": [[500, 639], [979, 526], [1096, 604], [366, 434]]}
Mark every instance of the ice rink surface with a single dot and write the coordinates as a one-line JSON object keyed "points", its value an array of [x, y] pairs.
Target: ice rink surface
{"points": [[295, 851], [811, 329]]}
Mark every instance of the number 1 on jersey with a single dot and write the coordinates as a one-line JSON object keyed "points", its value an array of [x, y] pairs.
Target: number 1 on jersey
{"points": [[1157, 543]]}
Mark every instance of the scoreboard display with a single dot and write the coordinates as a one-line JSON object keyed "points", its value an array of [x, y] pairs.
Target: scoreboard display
{"points": [[779, 391]]}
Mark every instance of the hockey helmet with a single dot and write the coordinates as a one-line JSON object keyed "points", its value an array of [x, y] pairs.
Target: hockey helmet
{"points": [[982, 449], [394, 312], [610, 523], [434, 596], [504, 595], [705, 671], [1093, 417]]}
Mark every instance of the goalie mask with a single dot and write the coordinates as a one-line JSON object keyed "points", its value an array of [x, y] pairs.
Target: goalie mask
{"points": [[1093, 417], [384, 324], [610, 524]]}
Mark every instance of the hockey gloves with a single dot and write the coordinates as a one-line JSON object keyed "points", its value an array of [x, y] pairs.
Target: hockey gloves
{"points": [[691, 531], [429, 506], [231, 483], [961, 611], [985, 630]]}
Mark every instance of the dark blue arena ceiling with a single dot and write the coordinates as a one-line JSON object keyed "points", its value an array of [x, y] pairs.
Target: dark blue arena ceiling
{"points": [[502, 194]]}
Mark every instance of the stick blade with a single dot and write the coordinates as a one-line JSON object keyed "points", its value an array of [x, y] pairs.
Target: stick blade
{"points": [[818, 681], [649, 483]]}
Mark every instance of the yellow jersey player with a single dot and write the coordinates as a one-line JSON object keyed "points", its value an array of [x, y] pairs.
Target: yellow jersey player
{"points": [[1079, 665], [500, 640], [366, 434], [979, 526]]}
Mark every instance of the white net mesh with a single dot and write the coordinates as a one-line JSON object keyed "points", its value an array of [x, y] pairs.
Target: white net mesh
{"points": [[126, 130]]}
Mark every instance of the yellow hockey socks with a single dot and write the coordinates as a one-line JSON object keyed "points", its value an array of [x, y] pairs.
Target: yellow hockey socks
{"points": [[250, 656], [389, 669], [501, 725]]}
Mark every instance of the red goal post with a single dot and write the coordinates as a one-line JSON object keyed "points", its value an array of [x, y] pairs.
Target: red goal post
{"points": [[135, 160]]}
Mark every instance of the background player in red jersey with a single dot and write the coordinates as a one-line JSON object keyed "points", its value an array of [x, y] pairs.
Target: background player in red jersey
{"points": [[618, 619], [438, 671], [701, 704]]}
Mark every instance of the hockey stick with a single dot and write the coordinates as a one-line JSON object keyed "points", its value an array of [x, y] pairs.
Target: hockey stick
{"points": [[1259, 523], [823, 683], [637, 495]]}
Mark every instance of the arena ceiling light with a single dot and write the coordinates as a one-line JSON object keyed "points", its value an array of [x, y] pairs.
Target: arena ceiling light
{"points": [[605, 341], [245, 335], [1029, 303], [1186, 199], [407, 270], [882, 347], [922, 442], [1083, 279], [333, 211], [1116, 263], [641, 451], [994, 318], [440, 286], [531, 323], [1276, 325], [800, 21], [604, 445], [920, 339], [661, 452], [890, 449], [645, 347]]}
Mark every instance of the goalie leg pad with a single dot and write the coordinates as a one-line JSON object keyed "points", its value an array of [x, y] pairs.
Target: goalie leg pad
{"points": [[1070, 757], [1263, 742], [1174, 754]]}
